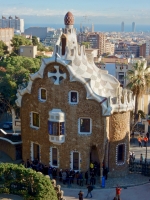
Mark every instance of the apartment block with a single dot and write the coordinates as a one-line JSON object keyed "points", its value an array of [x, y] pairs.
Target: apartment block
{"points": [[97, 41], [15, 23], [109, 48], [82, 37], [40, 32], [143, 50]]}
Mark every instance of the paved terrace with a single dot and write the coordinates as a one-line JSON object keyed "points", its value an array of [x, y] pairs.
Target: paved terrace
{"points": [[135, 186]]}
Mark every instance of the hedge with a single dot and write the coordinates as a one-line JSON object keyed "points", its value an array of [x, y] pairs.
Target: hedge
{"points": [[16, 179]]}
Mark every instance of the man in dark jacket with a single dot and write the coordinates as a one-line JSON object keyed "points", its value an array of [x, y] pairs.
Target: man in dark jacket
{"points": [[90, 188]]}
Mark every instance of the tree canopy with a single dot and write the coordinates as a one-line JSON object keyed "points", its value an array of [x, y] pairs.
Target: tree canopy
{"points": [[86, 44], [15, 71], [3, 48], [19, 40], [35, 41], [138, 80]]}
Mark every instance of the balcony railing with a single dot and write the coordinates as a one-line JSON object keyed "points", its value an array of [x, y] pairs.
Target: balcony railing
{"points": [[57, 139]]}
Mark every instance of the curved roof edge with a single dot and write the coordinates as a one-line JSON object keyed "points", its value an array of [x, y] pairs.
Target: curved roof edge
{"points": [[7, 140], [107, 106]]}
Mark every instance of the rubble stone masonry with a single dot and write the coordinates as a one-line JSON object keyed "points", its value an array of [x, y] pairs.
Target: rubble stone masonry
{"points": [[57, 97], [107, 132]]}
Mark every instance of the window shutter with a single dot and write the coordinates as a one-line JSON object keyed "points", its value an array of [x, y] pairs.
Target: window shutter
{"points": [[63, 128], [50, 128]]}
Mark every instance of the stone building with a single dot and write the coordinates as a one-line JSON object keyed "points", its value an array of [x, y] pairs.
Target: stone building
{"points": [[73, 112], [6, 35], [28, 51]]}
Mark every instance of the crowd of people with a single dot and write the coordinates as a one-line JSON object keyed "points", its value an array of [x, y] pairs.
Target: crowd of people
{"points": [[143, 141], [68, 176]]}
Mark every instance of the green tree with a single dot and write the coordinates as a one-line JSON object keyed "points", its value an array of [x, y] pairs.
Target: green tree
{"points": [[138, 81], [51, 48], [15, 71], [35, 41], [3, 48], [41, 47], [86, 44], [17, 41]]}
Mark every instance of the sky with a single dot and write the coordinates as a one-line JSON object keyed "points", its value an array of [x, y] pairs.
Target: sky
{"points": [[84, 11]]}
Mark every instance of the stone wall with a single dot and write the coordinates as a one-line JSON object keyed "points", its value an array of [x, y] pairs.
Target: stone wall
{"points": [[8, 148], [57, 97], [119, 134]]}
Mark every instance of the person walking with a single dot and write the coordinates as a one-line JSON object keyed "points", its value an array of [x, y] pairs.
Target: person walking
{"points": [[90, 188], [118, 192], [140, 141], [133, 156], [141, 158], [80, 195]]}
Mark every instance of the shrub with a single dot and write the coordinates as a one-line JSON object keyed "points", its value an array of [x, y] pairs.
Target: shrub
{"points": [[17, 179]]}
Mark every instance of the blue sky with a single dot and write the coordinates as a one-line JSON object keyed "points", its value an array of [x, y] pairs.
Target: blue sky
{"points": [[96, 11]]}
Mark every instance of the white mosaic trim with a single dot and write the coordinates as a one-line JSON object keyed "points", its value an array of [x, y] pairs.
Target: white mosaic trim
{"points": [[120, 163]]}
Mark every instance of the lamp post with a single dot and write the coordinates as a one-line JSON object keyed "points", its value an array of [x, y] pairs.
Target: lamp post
{"points": [[146, 141]]}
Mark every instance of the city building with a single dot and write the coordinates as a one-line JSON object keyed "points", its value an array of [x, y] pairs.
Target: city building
{"points": [[123, 49], [72, 112], [81, 37], [16, 23], [133, 27], [109, 48], [40, 32], [147, 48], [97, 41], [143, 50], [92, 28], [6, 34], [52, 37], [28, 51], [122, 27], [135, 49]]}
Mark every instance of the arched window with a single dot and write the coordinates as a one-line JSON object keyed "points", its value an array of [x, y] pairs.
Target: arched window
{"points": [[120, 154]]}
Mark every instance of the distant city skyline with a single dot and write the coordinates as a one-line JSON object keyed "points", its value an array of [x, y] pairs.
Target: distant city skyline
{"points": [[96, 11]]}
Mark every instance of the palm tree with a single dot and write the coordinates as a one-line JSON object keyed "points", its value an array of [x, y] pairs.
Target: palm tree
{"points": [[138, 81]]}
